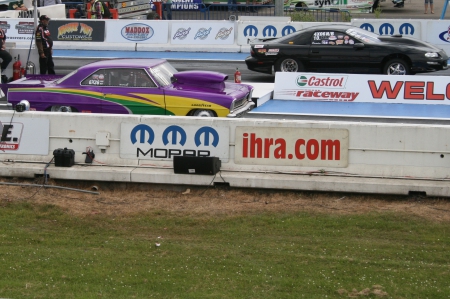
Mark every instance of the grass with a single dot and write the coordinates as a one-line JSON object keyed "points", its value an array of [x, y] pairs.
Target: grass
{"points": [[46, 252]]}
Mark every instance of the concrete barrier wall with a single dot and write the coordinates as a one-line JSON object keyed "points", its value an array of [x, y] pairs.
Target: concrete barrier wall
{"points": [[314, 155]]}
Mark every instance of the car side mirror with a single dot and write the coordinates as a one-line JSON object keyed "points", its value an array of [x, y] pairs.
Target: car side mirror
{"points": [[358, 46]]}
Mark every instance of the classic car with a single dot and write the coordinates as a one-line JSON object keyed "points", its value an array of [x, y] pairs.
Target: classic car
{"points": [[133, 86], [338, 48]]}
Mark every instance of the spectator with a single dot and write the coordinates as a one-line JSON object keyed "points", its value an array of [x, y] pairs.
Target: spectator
{"points": [[167, 6], [152, 16], [4, 55], [17, 5], [44, 44], [96, 9], [232, 5], [431, 6], [253, 8]]}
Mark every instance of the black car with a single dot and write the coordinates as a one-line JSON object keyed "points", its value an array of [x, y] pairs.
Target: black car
{"points": [[338, 48]]}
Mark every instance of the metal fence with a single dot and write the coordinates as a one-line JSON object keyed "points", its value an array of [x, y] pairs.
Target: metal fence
{"points": [[234, 11]]}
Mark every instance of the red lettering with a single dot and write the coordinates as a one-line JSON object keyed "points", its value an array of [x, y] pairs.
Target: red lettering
{"points": [[298, 153], [385, 87], [255, 142], [330, 146], [267, 143], [312, 149], [414, 90], [430, 93], [280, 150]]}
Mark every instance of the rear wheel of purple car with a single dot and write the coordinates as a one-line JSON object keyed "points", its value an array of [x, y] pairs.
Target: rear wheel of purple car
{"points": [[62, 109], [204, 113]]}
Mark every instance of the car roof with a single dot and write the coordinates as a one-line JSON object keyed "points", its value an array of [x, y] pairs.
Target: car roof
{"points": [[124, 63], [332, 26]]}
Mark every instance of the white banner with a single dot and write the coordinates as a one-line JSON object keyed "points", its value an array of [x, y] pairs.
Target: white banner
{"points": [[362, 88], [152, 32], [163, 142], [291, 146], [202, 33], [24, 136], [439, 32]]}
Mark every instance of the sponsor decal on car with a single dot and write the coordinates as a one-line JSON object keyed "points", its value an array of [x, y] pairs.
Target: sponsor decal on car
{"points": [[258, 46], [271, 53], [274, 50], [137, 32]]}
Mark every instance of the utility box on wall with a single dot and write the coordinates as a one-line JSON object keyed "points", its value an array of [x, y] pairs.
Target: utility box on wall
{"points": [[64, 157], [196, 165]]}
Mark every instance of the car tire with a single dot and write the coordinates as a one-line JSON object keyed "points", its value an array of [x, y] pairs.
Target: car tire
{"points": [[57, 108], [396, 66], [204, 113], [288, 64]]}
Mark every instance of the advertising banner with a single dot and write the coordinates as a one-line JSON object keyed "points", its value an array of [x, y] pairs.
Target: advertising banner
{"points": [[184, 5], [24, 136], [18, 30], [152, 32], [439, 33], [362, 88], [203, 33], [77, 30], [291, 146], [410, 28], [163, 142]]}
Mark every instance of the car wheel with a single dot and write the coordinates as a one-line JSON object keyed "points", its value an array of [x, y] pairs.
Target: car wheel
{"points": [[62, 109], [396, 67], [204, 113], [288, 65]]}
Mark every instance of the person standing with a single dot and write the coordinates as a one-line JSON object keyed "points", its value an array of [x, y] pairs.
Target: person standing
{"points": [[4, 55], [431, 6], [44, 43], [167, 6], [96, 9]]}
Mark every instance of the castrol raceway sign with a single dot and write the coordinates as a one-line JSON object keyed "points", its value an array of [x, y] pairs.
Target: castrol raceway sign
{"points": [[362, 88]]}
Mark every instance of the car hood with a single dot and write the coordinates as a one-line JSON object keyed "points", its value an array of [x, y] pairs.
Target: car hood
{"points": [[408, 41]]}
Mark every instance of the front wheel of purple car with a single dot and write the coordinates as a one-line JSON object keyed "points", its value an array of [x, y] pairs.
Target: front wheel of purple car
{"points": [[204, 113], [62, 109]]}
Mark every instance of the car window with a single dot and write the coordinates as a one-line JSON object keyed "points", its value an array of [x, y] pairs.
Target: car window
{"points": [[119, 77], [363, 35], [332, 38], [163, 73]]}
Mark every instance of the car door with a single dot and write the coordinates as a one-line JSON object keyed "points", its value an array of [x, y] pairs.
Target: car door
{"points": [[337, 52], [132, 91]]}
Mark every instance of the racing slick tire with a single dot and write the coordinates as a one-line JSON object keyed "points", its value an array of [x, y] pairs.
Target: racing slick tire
{"points": [[396, 66], [204, 113], [287, 64]]}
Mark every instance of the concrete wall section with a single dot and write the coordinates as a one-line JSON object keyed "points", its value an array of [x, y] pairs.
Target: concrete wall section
{"points": [[311, 155]]}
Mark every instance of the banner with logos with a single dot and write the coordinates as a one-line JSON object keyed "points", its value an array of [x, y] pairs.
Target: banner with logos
{"points": [[77, 30], [162, 142], [202, 33], [24, 136], [154, 32], [362, 88]]}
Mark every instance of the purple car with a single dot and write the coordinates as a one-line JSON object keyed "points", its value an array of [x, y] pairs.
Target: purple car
{"points": [[133, 86]]}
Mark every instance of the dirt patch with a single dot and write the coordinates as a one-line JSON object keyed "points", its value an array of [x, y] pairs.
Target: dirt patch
{"points": [[128, 199]]}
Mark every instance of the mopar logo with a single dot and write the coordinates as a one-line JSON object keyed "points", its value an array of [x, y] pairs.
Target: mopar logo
{"points": [[250, 30], [406, 28], [287, 30], [137, 32], [174, 135], [367, 26], [269, 31], [387, 28]]}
